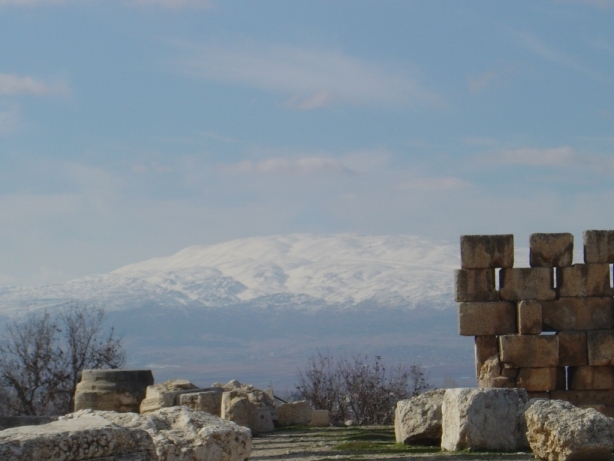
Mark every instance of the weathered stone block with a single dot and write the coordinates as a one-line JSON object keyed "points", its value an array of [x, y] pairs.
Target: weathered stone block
{"points": [[577, 314], [113, 390], [417, 421], [600, 344], [585, 397], [572, 348], [483, 419], [485, 347], [581, 378], [539, 395], [487, 251], [526, 283], [529, 351], [486, 319], [509, 372], [537, 379], [598, 246], [584, 280], [558, 431], [529, 317], [209, 400], [293, 413], [319, 418], [551, 250], [475, 285], [491, 375]]}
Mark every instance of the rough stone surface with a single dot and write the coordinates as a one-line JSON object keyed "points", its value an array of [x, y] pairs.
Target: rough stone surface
{"points": [[165, 394], [551, 250], [7, 422], [572, 348], [475, 285], [182, 434], [485, 347], [482, 318], [113, 390], [584, 280], [600, 344], [598, 246], [249, 407], [585, 397], [518, 284], [492, 375], [487, 251], [319, 418], [530, 351], [205, 400], [294, 413], [578, 314], [559, 431], [529, 317], [537, 379], [418, 420], [581, 378], [89, 438], [483, 419]]}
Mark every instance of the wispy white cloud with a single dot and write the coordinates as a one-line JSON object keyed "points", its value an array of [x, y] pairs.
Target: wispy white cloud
{"points": [[552, 54], [14, 85], [308, 78], [556, 157], [434, 184], [307, 165]]}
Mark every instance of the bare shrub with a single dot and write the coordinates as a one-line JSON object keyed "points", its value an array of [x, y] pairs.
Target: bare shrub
{"points": [[361, 389], [41, 358]]}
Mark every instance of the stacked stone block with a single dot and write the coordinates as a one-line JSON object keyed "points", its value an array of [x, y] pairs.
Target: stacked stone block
{"points": [[547, 328]]}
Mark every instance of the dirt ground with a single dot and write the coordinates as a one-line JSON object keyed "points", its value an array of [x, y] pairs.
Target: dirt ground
{"points": [[340, 444]]}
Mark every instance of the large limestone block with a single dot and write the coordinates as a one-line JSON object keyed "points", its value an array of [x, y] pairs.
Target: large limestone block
{"points": [[294, 413], [598, 246], [319, 418], [482, 319], [578, 314], [475, 285], [529, 317], [113, 390], [493, 375], [591, 378], [417, 421], [537, 379], [530, 351], [559, 431], [487, 251], [584, 280], [89, 438], [182, 434], [165, 394], [205, 400], [551, 250], [483, 419], [523, 283], [573, 351], [249, 407], [600, 344], [485, 347]]}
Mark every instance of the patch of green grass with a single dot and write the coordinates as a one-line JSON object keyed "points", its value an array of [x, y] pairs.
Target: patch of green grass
{"points": [[384, 447], [298, 427]]}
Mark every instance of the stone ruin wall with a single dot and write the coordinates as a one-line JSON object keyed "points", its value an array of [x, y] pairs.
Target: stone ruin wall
{"points": [[548, 328]]}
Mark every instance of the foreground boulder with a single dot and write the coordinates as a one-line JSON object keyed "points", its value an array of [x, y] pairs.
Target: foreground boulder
{"points": [[90, 438], [418, 420], [182, 434], [294, 413], [559, 431], [483, 419]]}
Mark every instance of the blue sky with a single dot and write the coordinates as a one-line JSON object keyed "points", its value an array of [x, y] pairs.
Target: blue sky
{"points": [[134, 128]]}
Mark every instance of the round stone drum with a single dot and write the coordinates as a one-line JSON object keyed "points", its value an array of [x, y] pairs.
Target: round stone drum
{"points": [[113, 390]]}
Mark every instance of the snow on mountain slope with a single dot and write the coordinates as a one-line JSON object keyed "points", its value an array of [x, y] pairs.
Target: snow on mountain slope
{"points": [[303, 271], [339, 269]]}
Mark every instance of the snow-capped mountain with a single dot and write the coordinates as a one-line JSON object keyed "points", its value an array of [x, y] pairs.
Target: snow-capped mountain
{"points": [[310, 271]]}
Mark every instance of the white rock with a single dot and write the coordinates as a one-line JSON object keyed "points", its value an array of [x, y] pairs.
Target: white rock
{"points": [[418, 420], [293, 413], [89, 438], [182, 434], [483, 419], [559, 431]]}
